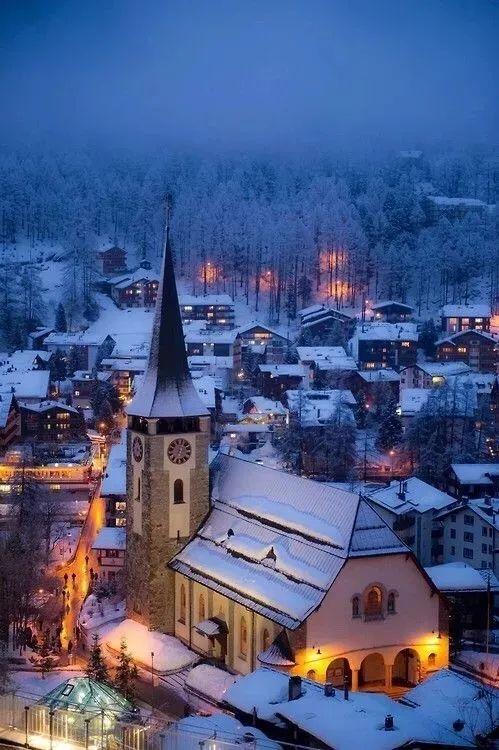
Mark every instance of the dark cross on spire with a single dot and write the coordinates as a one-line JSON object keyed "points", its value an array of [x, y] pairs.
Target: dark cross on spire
{"points": [[167, 390]]}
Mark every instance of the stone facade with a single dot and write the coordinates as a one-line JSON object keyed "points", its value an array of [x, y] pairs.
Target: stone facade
{"points": [[157, 527]]}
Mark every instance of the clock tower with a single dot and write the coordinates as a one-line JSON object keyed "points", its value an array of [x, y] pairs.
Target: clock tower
{"points": [[167, 464]]}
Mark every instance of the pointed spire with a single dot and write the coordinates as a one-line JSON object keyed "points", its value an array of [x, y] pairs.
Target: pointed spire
{"points": [[167, 389]]}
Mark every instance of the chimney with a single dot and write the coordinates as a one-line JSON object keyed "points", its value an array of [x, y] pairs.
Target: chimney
{"points": [[389, 723], [294, 687], [401, 492], [329, 690]]}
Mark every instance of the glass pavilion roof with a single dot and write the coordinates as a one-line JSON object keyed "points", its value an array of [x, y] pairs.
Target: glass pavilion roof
{"points": [[88, 696]]}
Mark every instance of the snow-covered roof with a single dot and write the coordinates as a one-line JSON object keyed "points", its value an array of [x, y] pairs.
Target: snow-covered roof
{"points": [[353, 724], [387, 332], [389, 303], [466, 311], [114, 482], [448, 696], [316, 407], [412, 400], [210, 336], [444, 200], [247, 327], [140, 274], [265, 405], [205, 386], [26, 359], [443, 369], [326, 357], [110, 537], [459, 576], [260, 547], [382, 375], [285, 369], [195, 731], [456, 337], [475, 473], [411, 495], [125, 365], [30, 384], [203, 300], [48, 405], [170, 654], [310, 310]]}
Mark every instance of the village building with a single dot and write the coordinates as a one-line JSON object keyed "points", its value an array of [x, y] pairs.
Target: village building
{"points": [[409, 506], [380, 345], [318, 321], [365, 384], [392, 312], [468, 590], [83, 385], [110, 547], [37, 337], [136, 289], [247, 564], [275, 380], [111, 261], [318, 407], [123, 373], [259, 340], [30, 387], [431, 374], [219, 348], [213, 309], [52, 420], [479, 350], [84, 349], [473, 480], [24, 360], [412, 401], [10, 420], [441, 206], [330, 366], [113, 488], [261, 409], [466, 533], [456, 318]]}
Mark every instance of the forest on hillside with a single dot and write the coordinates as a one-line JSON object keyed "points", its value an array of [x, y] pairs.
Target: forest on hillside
{"points": [[279, 232]]}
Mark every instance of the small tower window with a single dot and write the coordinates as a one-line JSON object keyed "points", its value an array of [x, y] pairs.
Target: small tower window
{"points": [[201, 609], [374, 602], [178, 492], [432, 660], [265, 639], [390, 604], [356, 606], [243, 638], [182, 604]]}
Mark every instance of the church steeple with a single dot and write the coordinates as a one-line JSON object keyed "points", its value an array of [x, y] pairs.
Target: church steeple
{"points": [[167, 389]]}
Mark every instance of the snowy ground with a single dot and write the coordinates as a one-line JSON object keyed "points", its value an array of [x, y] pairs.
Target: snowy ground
{"points": [[65, 547], [32, 684], [94, 614], [170, 655]]}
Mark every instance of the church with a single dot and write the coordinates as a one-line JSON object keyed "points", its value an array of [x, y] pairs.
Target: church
{"points": [[249, 565]]}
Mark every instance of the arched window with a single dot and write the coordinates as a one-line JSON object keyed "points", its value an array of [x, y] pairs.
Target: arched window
{"points": [[356, 606], [243, 638], [178, 492], [265, 639], [182, 604], [201, 609], [390, 603], [312, 674], [374, 602], [432, 660]]}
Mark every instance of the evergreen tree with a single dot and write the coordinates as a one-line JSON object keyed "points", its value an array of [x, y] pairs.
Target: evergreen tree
{"points": [[390, 432], [47, 661], [96, 666], [126, 673], [58, 366], [427, 338], [60, 319]]}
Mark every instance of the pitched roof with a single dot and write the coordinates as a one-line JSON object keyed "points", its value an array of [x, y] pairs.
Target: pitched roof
{"points": [[454, 338], [167, 389], [390, 303], [466, 311], [276, 542], [416, 495]]}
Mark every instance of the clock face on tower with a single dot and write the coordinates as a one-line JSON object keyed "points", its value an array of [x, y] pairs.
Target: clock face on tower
{"points": [[179, 451], [137, 449]]}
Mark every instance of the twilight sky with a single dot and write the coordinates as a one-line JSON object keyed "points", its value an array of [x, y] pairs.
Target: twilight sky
{"points": [[243, 73]]}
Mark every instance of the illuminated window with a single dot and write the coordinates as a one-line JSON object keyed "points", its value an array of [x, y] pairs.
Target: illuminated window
{"points": [[462, 349], [406, 344], [77, 393], [465, 321], [243, 638], [182, 604], [478, 320], [432, 659]]}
